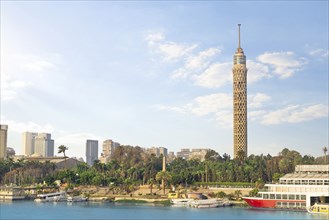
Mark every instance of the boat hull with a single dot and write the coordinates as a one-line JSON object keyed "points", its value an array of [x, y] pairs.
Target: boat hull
{"points": [[260, 203]]}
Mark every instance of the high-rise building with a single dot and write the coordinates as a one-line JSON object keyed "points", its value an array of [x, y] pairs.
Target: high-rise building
{"points": [[38, 143], [3, 141], [240, 101], [44, 145], [108, 149], [28, 143], [91, 151]]}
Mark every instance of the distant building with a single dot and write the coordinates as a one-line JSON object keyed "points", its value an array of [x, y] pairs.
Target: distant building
{"points": [[157, 151], [199, 154], [170, 157], [3, 141], [91, 151], [60, 162], [28, 143], [184, 153], [108, 149], [10, 152], [44, 145]]}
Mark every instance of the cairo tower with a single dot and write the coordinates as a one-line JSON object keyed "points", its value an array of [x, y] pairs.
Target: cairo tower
{"points": [[240, 102]]}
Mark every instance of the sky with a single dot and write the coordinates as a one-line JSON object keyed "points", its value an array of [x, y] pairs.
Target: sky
{"points": [[159, 73]]}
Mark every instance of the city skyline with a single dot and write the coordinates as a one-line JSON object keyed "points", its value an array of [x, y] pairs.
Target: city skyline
{"points": [[160, 73]]}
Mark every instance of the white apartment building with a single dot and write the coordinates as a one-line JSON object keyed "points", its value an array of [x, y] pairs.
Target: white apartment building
{"points": [[44, 145], [91, 151], [28, 143], [38, 143]]}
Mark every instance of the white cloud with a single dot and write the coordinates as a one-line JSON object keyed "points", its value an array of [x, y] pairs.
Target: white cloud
{"points": [[285, 64], [154, 37], [224, 118], [20, 127], [295, 113], [77, 139], [256, 115], [257, 100], [10, 87], [22, 71], [256, 71], [196, 64], [204, 105], [216, 75], [39, 65], [319, 53], [170, 51], [217, 106]]}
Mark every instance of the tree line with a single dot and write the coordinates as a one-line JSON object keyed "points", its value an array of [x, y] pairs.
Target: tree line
{"points": [[131, 166]]}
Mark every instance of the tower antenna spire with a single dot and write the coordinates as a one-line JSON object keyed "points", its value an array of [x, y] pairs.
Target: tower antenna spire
{"points": [[239, 46]]}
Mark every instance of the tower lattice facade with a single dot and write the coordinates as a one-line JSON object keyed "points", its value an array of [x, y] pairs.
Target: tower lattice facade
{"points": [[240, 103]]}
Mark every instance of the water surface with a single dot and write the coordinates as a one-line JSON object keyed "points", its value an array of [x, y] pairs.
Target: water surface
{"points": [[31, 210]]}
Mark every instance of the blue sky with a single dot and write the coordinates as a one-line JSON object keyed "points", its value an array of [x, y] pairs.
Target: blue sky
{"points": [[159, 73]]}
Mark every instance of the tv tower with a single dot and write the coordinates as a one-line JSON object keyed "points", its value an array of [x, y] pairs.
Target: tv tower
{"points": [[240, 102]]}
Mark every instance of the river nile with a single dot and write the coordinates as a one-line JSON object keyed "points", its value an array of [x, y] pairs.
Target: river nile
{"points": [[31, 210]]}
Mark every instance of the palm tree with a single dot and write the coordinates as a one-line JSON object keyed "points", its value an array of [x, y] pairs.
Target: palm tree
{"points": [[325, 149], [151, 182], [164, 176], [62, 149]]}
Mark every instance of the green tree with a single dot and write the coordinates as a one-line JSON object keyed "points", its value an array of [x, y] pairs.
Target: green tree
{"points": [[63, 149], [164, 176]]}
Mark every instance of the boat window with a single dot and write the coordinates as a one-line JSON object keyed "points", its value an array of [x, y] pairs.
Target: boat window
{"points": [[283, 181], [297, 182], [278, 196], [284, 196], [290, 182], [272, 196], [326, 182], [265, 196], [303, 204], [319, 182], [312, 182], [303, 197], [291, 196], [323, 208], [304, 182], [297, 197], [284, 204]]}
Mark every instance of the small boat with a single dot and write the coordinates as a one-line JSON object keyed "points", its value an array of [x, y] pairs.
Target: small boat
{"points": [[205, 203], [319, 208], [51, 197], [180, 202], [76, 199]]}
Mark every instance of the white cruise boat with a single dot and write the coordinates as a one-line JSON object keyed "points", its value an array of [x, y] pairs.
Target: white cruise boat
{"points": [[309, 184], [52, 197]]}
